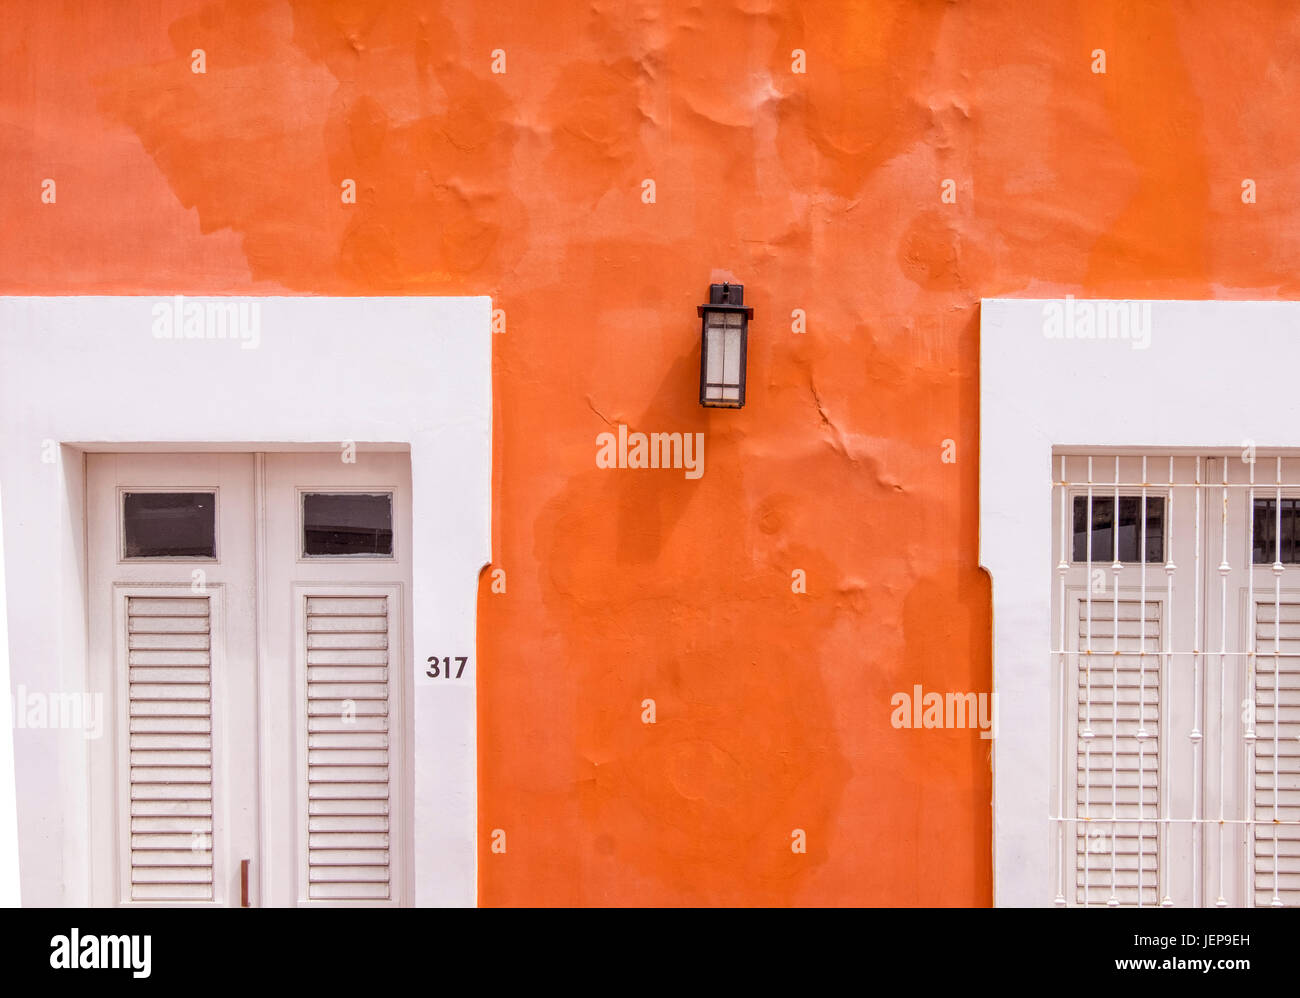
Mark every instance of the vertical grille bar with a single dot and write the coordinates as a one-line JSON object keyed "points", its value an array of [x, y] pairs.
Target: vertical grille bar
{"points": [[1062, 569], [1224, 568], [1162, 767]]}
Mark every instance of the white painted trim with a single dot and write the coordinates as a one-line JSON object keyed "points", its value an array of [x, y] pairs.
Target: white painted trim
{"points": [[87, 373], [1214, 374], [257, 878]]}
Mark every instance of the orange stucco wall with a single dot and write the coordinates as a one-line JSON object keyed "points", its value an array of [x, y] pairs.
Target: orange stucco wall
{"points": [[820, 191]]}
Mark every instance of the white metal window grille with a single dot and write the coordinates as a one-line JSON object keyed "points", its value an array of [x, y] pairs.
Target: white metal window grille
{"points": [[1276, 770], [1176, 665], [1117, 748]]}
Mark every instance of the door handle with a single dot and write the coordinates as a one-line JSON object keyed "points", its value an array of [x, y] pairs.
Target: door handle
{"points": [[243, 882]]}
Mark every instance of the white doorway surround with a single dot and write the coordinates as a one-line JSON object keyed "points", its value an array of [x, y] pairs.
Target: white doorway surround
{"points": [[249, 626], [1170, 740], [294, 409]]}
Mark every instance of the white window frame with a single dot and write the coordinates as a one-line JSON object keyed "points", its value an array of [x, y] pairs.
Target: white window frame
{"points": [[83, 374], [1209, 378]]}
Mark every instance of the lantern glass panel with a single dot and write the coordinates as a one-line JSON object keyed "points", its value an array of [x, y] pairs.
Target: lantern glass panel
{"points": [[714, 333], [722, 339], [731, 358]]}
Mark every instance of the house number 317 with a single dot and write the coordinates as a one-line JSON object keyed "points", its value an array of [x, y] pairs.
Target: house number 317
{"points": [[442, 667]]}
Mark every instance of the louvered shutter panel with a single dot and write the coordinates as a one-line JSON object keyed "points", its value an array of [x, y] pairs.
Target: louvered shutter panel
{"points": [[1277, 713], [170, 744], [1117, 768], [347, 748]]}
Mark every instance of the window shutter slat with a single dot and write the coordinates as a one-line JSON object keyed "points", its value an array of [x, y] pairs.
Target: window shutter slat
{"points": [[169, 714], [348, 774], [1277, 714], [1116, 770]]}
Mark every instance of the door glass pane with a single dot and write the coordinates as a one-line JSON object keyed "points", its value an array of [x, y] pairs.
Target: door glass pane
{"points": [[342, 524], [169, 525], [1267, 522], [1130, 534]]}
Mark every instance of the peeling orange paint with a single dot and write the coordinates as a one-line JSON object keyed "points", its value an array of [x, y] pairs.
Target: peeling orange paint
{"points": [[821, 192]]}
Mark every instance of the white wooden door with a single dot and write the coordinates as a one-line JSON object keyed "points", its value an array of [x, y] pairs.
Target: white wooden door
{"points": [[249, 625], [1253, 675], [1176, 642], [170, 550], [1113, 617], [338, 629]]}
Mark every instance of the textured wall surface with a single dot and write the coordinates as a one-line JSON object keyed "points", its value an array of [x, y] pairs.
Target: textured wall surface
{"points": [[820, 191]]}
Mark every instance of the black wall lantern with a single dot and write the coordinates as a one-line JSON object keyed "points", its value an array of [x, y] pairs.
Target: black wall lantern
{"points": [[724, 330]]}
